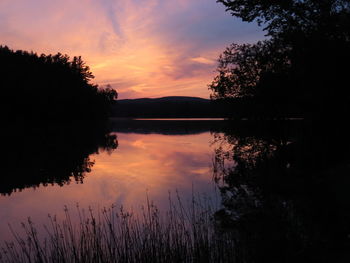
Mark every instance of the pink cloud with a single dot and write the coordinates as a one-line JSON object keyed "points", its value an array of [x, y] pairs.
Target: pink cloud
{"points": [[157, 47]]}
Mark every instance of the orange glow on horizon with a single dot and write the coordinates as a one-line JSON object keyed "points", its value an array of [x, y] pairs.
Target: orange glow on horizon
{"points": [[147, 48]]}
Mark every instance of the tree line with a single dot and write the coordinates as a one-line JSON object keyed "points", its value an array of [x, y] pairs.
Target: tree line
{"points": [[299, 70], [49, 87]]}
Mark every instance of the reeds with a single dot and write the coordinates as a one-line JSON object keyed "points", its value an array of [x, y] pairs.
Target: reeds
{"points": [[184, 233]]}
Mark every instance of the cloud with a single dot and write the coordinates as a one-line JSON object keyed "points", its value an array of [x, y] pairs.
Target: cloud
{"points": [[203, 60], [158, 47]]}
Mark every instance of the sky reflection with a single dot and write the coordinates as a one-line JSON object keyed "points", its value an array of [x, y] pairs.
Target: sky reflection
{"points": [[142, 165]]}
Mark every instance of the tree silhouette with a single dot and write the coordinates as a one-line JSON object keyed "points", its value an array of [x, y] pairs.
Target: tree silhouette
{"points": [[50, 87], [299, 69]]}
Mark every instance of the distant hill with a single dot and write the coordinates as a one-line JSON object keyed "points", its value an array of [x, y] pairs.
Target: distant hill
{"points": [[169, 98], [167, 107]]}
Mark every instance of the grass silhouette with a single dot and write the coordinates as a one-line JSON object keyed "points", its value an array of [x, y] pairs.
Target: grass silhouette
{"points": [[184, 233]]}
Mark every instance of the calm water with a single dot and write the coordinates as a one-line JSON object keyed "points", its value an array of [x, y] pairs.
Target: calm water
{"points": [[282, 188], [142, 164]]}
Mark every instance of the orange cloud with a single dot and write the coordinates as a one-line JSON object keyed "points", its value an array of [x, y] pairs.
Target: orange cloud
{"points": [[142, 48]]}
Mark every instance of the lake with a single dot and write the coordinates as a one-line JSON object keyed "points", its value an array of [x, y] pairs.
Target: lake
{"points": [[150, 160], [277, 190]]}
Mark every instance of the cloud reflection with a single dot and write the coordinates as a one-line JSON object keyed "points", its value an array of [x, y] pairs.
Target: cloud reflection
{"points": [[152, 163], [157, 163]]}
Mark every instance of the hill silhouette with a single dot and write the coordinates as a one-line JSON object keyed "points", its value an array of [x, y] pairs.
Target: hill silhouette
{"points": [[167, 107]]}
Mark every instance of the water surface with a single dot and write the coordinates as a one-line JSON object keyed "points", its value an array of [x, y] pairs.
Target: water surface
{"points": [[281, 188], [143, 165]]}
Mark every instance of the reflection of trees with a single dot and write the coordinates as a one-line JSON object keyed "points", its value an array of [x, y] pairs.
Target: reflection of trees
{"points": [[50, 154], [282, 204], [235, 159]]}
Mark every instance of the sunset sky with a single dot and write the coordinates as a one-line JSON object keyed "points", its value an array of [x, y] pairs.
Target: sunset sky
{"points": [[143, 48]]}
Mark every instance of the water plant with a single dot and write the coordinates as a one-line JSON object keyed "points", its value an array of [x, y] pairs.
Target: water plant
{"points": [[184, 233]]}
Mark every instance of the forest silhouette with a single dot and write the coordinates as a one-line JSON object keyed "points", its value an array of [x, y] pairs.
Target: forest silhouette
{"points": [[298, 71], [283, 183], [50, 87]]}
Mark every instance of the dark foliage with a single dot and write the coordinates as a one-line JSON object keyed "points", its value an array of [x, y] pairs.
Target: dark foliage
{"points": [[50, 154], [50, 87], [284, 188], [300, 70]]}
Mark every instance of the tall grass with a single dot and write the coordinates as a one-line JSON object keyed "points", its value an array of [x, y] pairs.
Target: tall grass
{"points": [[184, 233]]}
